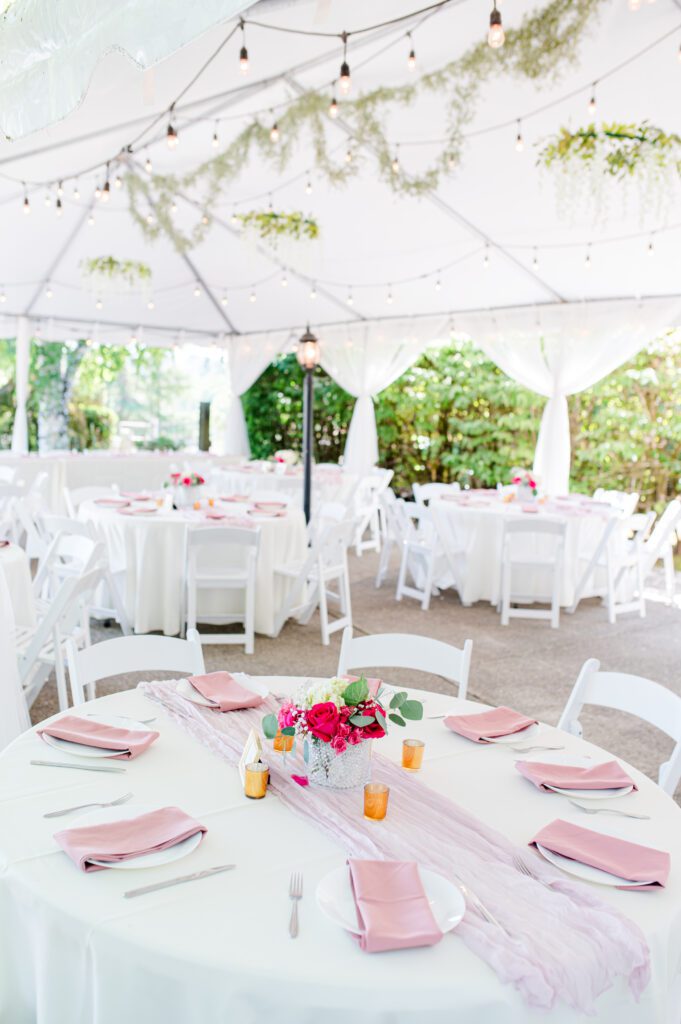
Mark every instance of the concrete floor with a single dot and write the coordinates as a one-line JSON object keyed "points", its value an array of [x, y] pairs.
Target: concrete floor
{"points": [[526, 665]]}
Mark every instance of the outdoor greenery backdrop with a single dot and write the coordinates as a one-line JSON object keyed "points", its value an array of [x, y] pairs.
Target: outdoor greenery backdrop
{"points": [[451, 416]]}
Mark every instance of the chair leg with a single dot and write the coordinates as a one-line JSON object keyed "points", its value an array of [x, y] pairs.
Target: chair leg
{"points": [[641, 593], [505, 594], [117, 604], [344, 584], [62, 694], [249, 619], [323, 611], [401, 579], [555, 597], [428, 582], [669, 577], [610, 597]]}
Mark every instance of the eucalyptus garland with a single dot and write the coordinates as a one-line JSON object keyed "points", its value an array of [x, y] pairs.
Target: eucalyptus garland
{"points": [[627, 154], [546, 40], [128, 273], [270, 225]]}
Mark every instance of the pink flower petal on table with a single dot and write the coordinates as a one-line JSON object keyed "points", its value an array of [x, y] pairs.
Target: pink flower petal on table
{"points": [[302, 780]]}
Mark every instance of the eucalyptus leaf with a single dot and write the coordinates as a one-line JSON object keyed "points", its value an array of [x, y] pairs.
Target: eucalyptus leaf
{"points": [[382, 719], [398, 699], [270, 726], [306, 751], [288, 730], [360, 720], [396, 719], [356, 692], [412, 709]]}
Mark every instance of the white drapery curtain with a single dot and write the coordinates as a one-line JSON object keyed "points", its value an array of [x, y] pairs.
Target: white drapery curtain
{"points": [[22, 361], [365, 359], [247, 358], [13, 711], [558, 351]]}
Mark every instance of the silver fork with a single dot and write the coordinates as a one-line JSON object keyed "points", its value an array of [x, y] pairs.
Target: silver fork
{"points": [[142, 721], [295, 892], [609, 810], [486, 914], [80, 807], [524, 869], [536, 746]]}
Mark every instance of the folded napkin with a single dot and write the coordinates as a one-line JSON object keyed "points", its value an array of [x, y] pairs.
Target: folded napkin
{"points": [[4, 543], [215, 515], [529, 508], [115, 841], [136, 495], [225, 693], [609, 775], [630, 861], [234, 497], [486, 725], [144, 511], [113, 502], [393, 911], [267, 513], [130, 742]]}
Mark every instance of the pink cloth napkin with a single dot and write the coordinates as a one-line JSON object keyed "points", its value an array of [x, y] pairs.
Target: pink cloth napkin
{"points": [[115, 841], [147, 510], [266, 513], [130, 742], [485, 725], [215, 515], [234, 497], [630, 861], [609, 775], [136, 495], [393, 911], [373, 684], [529, 508], [112, 502], [223, 690], [269, 506]]}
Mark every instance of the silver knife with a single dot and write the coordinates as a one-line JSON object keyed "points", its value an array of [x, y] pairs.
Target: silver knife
{"points": [[81, 767], [178, 881]]}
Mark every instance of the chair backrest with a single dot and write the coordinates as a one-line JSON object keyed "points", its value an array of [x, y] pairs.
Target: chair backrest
{"points": [[405, 650], [75, 496], [662, 534], [426, 492], [132, 654], [636, 695], [624, 501], [216, 536], [332, 543]]}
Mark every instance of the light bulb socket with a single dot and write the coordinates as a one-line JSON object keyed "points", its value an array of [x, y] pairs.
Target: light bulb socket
{"points": [[344, 79], [171, 136]]}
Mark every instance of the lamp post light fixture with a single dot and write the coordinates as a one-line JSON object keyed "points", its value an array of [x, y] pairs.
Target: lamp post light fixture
{"points": [[308, 356]]}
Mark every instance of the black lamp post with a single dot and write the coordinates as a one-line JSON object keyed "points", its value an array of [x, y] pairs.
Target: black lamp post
{"points": [[308, 357]]}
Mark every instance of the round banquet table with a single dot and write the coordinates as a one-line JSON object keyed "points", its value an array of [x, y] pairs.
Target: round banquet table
{"points": [[16, 567], [329, 483], [147, 554], [478, 523], [73, 949]]}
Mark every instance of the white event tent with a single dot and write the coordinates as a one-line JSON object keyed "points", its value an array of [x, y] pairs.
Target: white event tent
{"points": [[557, 303]]}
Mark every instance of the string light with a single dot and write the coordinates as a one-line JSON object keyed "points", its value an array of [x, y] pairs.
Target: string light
{"points": [[348, 155], [634, 5], [118, 182], [350, 300], [173, 206], [76, 192], [98, 192], [587, 261], [284, 281], [60, 189], [223, 299], [252, 297], [3, 297], [438, 285], [308, 188], [344, 81], [651, 248], [106, 192], [411, 59], [98, 304], [172, 138], [91, 220], [313, 292], [495, 36], [274, 133], [234, 220], [197, 291], [395, 165], [148, 166], [215, 142], [535, 261], [205, 220], [48, 291], [150, 218], [519, 145], [485, 258], [48, 199], [592, 101], [151, 304], [59, 209], [26, 203], [243, 52], [389, 296], [333, 108]]}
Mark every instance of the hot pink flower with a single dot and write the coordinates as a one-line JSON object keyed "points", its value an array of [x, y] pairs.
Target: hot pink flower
{"points": [[322, 721], [175, 476], [532, 483], [338, 744], [186, 480], [354, 737], [287, 715]]}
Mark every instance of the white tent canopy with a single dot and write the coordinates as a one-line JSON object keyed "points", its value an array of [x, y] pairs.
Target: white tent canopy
{"points": [[414, 267]]}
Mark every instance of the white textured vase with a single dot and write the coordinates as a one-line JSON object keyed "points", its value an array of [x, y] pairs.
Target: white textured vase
{"points": [[184, 497], [525, 493], [338, 771]]}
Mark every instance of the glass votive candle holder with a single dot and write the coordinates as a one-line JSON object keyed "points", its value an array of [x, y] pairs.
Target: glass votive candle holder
{"points": [[159, 502], [197, 505], [255, 782], [412, 754], [283, 743], [376, 801], [211, 502]]}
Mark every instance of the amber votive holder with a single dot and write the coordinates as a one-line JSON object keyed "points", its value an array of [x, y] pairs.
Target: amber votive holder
{"points": [[197, 505], [282, 743], [211, 502], [376, 801], [255, 783], [412, 754]]}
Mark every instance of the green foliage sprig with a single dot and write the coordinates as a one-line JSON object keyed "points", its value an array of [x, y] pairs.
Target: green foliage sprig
{"points": [[544, 43], [620, 150], [128, 272], [270, 225]]}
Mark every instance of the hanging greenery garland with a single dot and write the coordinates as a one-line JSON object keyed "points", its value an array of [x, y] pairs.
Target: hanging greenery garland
{"points": [[270, 225], [588, 159], [539, 48], [106, 273]]}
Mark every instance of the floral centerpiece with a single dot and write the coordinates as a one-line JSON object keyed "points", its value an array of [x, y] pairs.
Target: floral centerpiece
{"points": [[336, 721], [185, 486], [525, 483]]}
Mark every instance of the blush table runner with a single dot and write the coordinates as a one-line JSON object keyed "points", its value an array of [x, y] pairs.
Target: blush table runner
{"points": [[563, 942]]}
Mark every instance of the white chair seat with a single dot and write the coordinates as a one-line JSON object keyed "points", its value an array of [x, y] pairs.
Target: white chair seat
{"points": [[225, 546]]}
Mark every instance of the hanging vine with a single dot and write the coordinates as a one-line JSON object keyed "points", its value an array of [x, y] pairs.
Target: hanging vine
{"points": [[545, 41]]}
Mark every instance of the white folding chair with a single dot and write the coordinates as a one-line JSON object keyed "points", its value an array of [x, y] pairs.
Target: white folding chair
{"points": [[519, 535], [618, 559], [660, 545], [10, 496], [223, 558], [326, 563], [636, 695], [328, 513], [366, 499], [75, 496], [40, 648], [405, 650], [420, 552], [423, 493], [450, 544], [129, 654], [395, 529], [624, 501]]}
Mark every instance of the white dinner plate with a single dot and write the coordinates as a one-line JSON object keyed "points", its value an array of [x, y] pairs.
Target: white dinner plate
{"points": [[584, 871], [146, 860], [83, 750], [516, 737], [186, 690], [335, 899], [593, 794]]}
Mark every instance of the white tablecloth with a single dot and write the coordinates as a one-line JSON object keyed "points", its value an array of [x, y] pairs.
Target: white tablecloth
{"points": [[480, 527], [16, 568], [72, 949], [328, 484], [147, 554]]}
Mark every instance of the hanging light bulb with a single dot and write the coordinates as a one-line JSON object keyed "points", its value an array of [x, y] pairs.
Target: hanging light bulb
{"points": [[118, 181], [215, 141], [634, 5], [495, 36], [76, 192], [313, 292], [3, 297], [148, 165], [411, 59], [197, 291], [308, 187], [284, 281], [60, 189], [587, 261], [205, 220], [26, 205], [389, 296], [252, 297], [535, 261], [592, 101], [344, 81], [243, 52], [150, 218], [274, 132], [173, 206], [223, 300], [395, 165], [519, 144], [350, 298], [59, 209], [333, 108], [106, 192], [234, 220], [172, 138], [151, 304], [485, 258], [348, 155], [98, 304], [91, 220], [48, 291], [651, 248], [48, 199], [98, 192], [438, 285]]}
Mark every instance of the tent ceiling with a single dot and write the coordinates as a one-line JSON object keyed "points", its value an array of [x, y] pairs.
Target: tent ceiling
{"points": [[371, 237]]}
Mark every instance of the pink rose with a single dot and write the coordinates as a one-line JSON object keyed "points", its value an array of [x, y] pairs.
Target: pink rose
{"points": [[187, 480], [286, 716], [373, 731], [355, 737], [200, 480], [322, 721], [532, 484], [515, 480], [338, 744], [175, 476]]}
